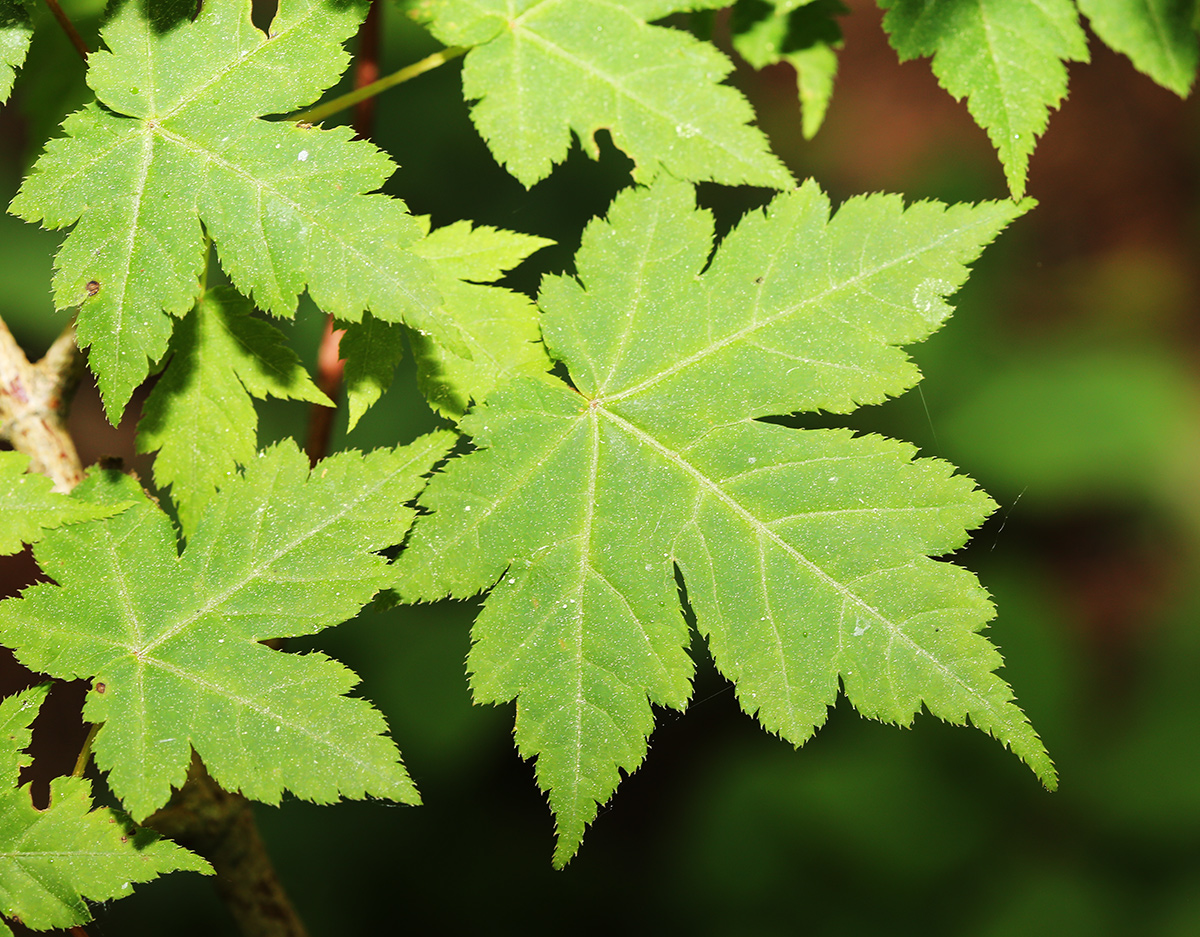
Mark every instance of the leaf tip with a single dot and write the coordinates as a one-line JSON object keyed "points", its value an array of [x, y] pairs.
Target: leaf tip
{"points": [[566, 848]]}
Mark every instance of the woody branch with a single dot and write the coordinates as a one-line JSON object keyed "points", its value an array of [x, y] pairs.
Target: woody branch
{"points": [[34, 399]]}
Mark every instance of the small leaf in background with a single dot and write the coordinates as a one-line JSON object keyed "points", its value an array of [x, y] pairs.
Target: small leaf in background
{"points": [[540, 71], [53, 861], [16, 29], [806, 554], [499, 327], [1006, 58], [1159, 36], [199, 417], [29, 506], [805, 35], [176, 138], [171, 642]]}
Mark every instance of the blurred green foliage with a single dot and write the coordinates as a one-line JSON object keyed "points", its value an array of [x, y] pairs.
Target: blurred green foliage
{"points": [[1066, 383]]}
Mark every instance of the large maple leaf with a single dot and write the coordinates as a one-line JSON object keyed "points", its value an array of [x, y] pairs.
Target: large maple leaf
{"points": [[171, 642], [179, 140], [806, 554]]}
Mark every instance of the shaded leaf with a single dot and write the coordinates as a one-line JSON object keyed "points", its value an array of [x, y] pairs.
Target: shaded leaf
{"points": [[805, 35], [498, 326], [199, 417], [371, 349], [1159, 36], [16, 29]]}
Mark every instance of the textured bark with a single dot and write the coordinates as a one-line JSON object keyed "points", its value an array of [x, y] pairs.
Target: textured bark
{"points": [[220, 826], [34, 399]]}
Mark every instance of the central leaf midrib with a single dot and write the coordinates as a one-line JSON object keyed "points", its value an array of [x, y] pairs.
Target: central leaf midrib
{"points": [[715, 489], [118, 310], [784, 313], [585, 563], [554, 49], [255, 571], [255, 706], [195, 149], [233, 66]]}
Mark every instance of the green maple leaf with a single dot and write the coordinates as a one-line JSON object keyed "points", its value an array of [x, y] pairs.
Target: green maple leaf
{"points": [[199, 417], [171, 642], [805, 35], [16, 29], [542, 69], [1159, 36], [1006, 57], [179, 140], [53, 859], [499, 327], [29, 506], [805, 553]]}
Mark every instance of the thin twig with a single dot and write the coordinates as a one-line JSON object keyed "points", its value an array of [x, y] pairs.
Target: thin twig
{"points": [[430, 62], [220, 826], [366, 70], [329, 378], [69, 28], [85, 753]]}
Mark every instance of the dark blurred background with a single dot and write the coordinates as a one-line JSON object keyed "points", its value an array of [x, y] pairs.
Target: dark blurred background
{"points": [[1067, 384]]}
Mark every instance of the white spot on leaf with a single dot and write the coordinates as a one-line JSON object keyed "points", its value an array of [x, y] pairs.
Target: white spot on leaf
{"points": [[928, 299]]}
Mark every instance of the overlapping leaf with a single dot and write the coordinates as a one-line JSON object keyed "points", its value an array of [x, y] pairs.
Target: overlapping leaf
{"points": [[29, 506], [1006, 57], [171, 642], [1159, 36], [805, 553], [805, 35], [199, 417], [51, 860], [542, 69], [179, 141], [498, 326], [16, 29]]}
